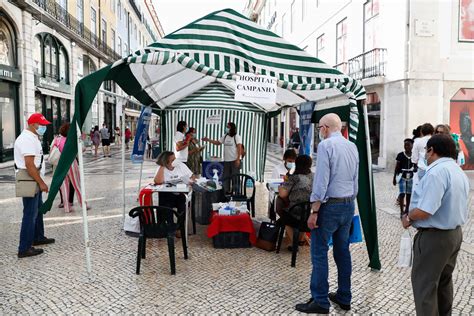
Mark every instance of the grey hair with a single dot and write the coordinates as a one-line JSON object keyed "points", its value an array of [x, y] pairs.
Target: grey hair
{"points": [[163, 158]]}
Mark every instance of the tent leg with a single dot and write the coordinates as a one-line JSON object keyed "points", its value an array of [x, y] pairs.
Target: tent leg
{"points": [[367, 144], [123, 163], [84, 206]]}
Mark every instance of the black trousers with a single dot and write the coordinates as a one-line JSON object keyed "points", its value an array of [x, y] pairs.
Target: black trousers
{"points": [[71, 194], [172, 200]]}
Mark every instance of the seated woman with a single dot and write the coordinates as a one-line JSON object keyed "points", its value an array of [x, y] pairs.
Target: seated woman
{"points": [[281, 171], [296, 190], [173, 171]]}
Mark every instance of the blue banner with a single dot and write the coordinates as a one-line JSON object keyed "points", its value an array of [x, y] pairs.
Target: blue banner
{"points": [[306, 127], [139, 144]]}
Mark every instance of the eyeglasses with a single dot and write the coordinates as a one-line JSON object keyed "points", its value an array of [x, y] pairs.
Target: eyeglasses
{"points": [[319, 127]]}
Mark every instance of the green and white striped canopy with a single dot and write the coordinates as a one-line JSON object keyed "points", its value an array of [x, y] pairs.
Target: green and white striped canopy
{"points": [[220, 46], [217, 100]]}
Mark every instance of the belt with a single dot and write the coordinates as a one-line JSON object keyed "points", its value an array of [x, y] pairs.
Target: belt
{"points": [[432, 229], [339, 200]]}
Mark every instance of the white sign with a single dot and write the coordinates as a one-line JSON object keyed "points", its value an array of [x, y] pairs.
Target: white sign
{"points": [[213, 119], [424, 28], [255, 88]]}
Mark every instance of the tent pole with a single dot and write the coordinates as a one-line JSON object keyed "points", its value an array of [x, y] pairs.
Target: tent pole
{"points": [[84, 206], [141, 173], [367, 144], [123, 161]]}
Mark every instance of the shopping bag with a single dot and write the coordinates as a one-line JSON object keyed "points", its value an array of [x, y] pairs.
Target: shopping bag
{"points": [[267, 236], [355, 233], [405, 255], [131, 225]]}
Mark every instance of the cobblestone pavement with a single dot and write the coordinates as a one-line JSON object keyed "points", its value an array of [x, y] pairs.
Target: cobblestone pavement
{"points": [[211, 281]]}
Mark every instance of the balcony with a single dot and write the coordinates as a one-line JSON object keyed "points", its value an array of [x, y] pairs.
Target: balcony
{"points": [[367, 65], [72, 27]]}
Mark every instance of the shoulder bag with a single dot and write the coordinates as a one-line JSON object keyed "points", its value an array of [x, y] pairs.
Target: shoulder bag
{"points": [[25, 185], [54, 154]]}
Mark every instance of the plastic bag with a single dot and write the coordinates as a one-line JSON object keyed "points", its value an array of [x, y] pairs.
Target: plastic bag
{"points": [[406, 255]]}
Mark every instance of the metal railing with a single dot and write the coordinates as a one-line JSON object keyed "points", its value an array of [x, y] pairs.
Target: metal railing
{"points": [[367, 65], [63, 17]]}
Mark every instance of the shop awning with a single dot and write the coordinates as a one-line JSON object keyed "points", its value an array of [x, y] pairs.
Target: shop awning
{"points": [[56, 94]]}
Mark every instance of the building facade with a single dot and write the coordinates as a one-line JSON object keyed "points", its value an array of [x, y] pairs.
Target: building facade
{"points": [[415, 58], [47, 46]]}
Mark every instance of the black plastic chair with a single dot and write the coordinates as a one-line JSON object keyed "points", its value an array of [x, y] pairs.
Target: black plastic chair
{"points": [[296, 217], [158, 222], [239, 190]]}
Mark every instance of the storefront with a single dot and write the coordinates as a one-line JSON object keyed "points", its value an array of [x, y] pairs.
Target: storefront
{"points": [[53, 91], [10, 80]]}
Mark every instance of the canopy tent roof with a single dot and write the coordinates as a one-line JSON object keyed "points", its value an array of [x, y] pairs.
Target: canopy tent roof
{"points": [[219, 46]]}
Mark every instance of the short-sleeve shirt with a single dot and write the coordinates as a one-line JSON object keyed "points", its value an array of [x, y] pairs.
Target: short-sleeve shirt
{"points": [[181, 155], [418, 151], [180, 173], [299, 188], [230, 146], [405, 165], [104, 133], [443, 192], [28, 144]]}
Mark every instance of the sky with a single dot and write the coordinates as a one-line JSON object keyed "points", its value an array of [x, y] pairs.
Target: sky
{"points": [[174, 14]]}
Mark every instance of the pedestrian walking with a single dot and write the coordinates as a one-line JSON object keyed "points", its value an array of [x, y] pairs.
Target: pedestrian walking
{"points": [[418, 152], [96, 139], [233, 152], [335, 187], [439, 206], [59, 142], [181, 142], [128, 136], [404, 173], [105, 137], [28, 156], [118, 136], [296, 139]]}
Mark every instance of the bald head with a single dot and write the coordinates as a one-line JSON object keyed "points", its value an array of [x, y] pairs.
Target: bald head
{"points": [[332, 122]]}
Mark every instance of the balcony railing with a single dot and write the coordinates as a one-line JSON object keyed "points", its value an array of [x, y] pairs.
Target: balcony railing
{"points": [[63, 17], [367, 65]]}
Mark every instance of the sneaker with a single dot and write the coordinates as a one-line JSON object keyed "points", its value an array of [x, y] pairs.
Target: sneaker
{"points": [[44, 241], [30, 253], [61, 205]]}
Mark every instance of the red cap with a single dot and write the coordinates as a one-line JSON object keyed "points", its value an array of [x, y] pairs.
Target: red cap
{"points": [[38, 118]]}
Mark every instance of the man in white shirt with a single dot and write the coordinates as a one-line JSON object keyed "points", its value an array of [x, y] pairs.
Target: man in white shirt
{"points": [[418, 151], [28, 154], [180, 142]]}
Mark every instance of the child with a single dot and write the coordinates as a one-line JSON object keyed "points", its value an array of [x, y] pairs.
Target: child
{"points": [[404, 170]]}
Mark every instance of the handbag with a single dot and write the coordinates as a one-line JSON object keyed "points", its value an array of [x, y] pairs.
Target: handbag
{"points": [[25, 185], [355, 232], [54, 154], [405, 255], [267, 236]]}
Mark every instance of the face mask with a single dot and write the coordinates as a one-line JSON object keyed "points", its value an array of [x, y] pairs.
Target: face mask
{"points": [[41, 130], [321, 135], [290, 165], [227, 130]]}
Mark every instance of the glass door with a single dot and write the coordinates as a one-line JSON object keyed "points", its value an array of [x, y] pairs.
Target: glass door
{"points": [[8, 119]]}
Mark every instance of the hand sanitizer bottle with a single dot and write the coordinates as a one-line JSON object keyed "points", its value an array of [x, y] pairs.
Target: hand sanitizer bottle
{"points": [[215, 177]]}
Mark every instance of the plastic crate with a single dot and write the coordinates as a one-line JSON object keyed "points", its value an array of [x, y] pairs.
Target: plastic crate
{"points": [[231, 240]]}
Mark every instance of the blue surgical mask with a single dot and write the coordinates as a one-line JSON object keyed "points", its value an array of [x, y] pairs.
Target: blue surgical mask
{"points": [[290, 165], [227, 130], [41, 130]]}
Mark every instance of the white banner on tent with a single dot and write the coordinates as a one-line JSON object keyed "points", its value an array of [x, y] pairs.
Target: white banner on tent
{"points": [[214, 119], [255, 88]]}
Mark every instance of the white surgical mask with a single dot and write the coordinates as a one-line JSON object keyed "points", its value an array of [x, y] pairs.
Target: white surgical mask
{"points": [[321, 135], [227, 130], [290, 165], [41, 130]]}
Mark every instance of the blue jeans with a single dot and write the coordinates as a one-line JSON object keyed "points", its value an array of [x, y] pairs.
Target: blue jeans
{"points": [[32, 227], [333, 220]]}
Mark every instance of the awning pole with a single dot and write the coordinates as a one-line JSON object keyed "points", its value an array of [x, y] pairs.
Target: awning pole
{"points": [[367, 144], [84, 206], [123, 162]]}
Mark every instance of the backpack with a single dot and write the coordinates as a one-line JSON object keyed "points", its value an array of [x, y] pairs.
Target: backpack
{"points": [[243, 148]]}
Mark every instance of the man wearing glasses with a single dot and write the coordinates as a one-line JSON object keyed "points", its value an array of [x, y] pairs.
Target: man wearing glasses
{"points": [[439, 206], [334, 190]]}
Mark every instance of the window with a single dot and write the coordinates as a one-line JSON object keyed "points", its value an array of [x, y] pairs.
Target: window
{"points": [[8, 52], [112, 39], [293, 17], [104, 32], [63, 66], [93, 21], [125, 49], [119, 47], [112, 6], [320, 46], [371, 14], [80, 11], [341, 38], [119, 9], [135, 30], [50, 61], [50, 58], [37, 52]]}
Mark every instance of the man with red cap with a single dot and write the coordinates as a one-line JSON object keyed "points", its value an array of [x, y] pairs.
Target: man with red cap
{"points": [[28, 155]]}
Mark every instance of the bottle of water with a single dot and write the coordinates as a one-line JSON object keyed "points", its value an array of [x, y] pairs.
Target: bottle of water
{"points": [[249, 183], [215, 177]]}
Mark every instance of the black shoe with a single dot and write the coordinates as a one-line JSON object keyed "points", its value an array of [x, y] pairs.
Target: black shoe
{"points": [[290, 249], [311, 307], [44, 241], [30, 253], [333, 298]]}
